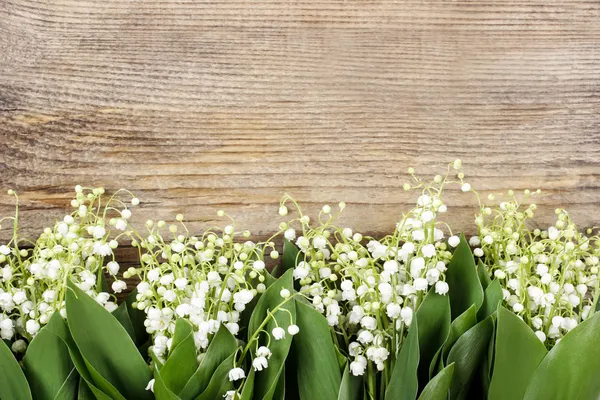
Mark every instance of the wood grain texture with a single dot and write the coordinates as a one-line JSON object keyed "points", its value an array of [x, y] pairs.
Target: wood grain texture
{"points": [[204, 105]]}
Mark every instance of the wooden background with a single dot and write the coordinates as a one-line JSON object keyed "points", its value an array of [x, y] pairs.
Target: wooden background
{"points": [[204, 105]]}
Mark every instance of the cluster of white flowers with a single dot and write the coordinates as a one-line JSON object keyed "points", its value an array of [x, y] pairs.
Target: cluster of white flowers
{"points": [[550, 277], [33, 282], [370, 289], [207, 280]]}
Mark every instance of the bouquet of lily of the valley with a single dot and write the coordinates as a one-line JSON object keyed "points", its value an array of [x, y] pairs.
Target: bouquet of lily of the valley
{"points": [[38, 283], [421, 313], [220, 323], [372, 292]]}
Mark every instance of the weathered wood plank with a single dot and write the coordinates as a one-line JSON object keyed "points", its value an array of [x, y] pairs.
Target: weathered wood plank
{"points": [[202, 105]]}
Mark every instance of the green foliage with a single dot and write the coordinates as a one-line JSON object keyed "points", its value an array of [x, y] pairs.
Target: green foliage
{"points": [[518, 354], [110, 356], [222, 346], [270, 304], [492, 296], [464, 285], [182, 362], [48, 366], [570, 369], [351, 387], [320, 379], [404, 383], [438, 388], [434, 326], [13, 384], [468, 354]]}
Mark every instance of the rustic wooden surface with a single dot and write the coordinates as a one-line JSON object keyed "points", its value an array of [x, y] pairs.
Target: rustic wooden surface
{"points": [[204, 105]]}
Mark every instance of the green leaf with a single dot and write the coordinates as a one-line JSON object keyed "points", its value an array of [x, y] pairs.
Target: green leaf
{"points": [[219, 383], [248, 388], [106, 347], [434, 325], [438, 388], [459, 326], [84, 392], [482, 386], [161, 391], [267, 379], [404, 383], [570, 369], [463, 281], [342, 360], [468, 353], [290, 256], [122, 316], [491, 298], [518, 354], [47, 363], [181, 363], [108, 389], [315, 379], [279, 393], [222, 345], [13, 384], [350, 387], [291, 373], [59, 328], [484, 277], [69, 388]]}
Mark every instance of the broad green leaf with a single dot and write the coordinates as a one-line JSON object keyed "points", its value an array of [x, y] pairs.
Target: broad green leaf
{"points": [[350, 387], [484, 277], [106, 346], [492, 296], [434, 325], [291, 373], [468, 353], [404, 383], [315, 379], [459, 326], [248, 387], [267, 379], [161, 391], [221, 346], [219, 383], [47, 363], [122, 316], [461, 276], [438, 388], [485, 372], [518, 354], [290, 256], [59, 328], [13, 384], [69, 388], [279, 393], [107, 388], [570, 369], [83, 391], [342, 360], [181, 363]]}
